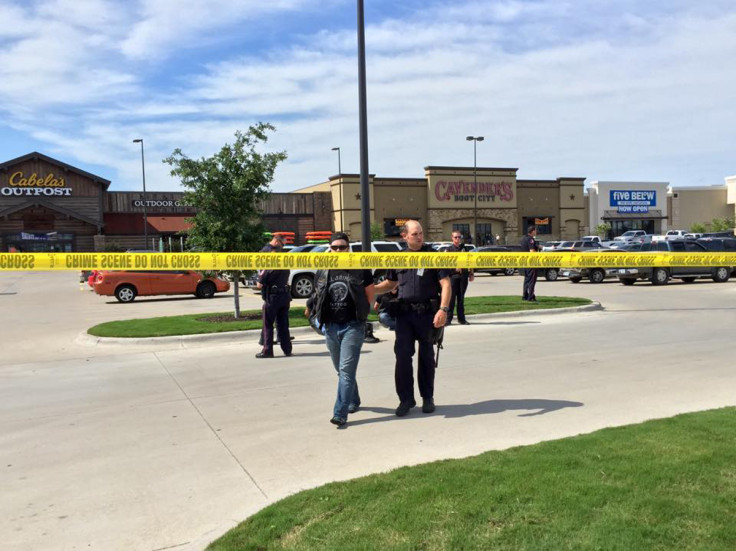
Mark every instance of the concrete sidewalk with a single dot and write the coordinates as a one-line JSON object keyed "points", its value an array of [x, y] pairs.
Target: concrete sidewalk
{"points": [[170, 448]]}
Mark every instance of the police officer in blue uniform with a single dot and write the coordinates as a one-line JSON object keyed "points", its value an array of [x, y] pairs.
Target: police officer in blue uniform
{"points": [[459, 281], [276, 298], [422, 306], [530, 245]]}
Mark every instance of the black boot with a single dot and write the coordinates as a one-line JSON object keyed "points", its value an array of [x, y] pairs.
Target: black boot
{"points": [[369, 337]]}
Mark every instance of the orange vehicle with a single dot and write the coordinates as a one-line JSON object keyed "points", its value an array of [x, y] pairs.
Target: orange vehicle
{"points": [[126, 285]]}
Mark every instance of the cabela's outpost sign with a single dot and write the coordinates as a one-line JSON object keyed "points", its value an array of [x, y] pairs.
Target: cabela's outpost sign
{"points": [[21, 184]]}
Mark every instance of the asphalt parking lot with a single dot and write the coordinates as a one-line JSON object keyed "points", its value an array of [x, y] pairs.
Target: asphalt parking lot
{"points": [[119, 447]]}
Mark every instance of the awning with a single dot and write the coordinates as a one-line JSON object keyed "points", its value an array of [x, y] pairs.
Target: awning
{"points": [[653, 214], [169, 224]]}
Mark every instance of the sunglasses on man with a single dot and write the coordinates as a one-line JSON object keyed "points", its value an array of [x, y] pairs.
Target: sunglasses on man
{"points": [[339, 247]]}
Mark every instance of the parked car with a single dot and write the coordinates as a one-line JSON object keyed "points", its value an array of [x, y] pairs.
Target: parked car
{"points": [[550, 245], [127, 285], [494, 271], [675, 234], [661, 275], [719, 234], [630, 235], [594, 275], [720, 244], [302, 280], [444, 248], [593, 238]]}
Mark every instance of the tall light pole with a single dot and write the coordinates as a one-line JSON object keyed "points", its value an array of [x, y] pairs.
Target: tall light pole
{"points": [[145, 213], [339, 189], [339, 166], [475, 140], [365, 203]]}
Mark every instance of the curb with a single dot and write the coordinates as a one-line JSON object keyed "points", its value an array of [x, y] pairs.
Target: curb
{"points": [[183, 341]]}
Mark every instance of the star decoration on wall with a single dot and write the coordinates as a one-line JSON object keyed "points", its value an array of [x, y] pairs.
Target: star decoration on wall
{"points": [[572, 197], [357, 196]]}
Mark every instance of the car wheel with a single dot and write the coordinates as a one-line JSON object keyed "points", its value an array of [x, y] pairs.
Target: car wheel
{"points": [[551, 274], [688, 279], [126, 293], [206, 289], [721, 275], [576, 279], [302, 286], [597, 276], [659, 276], [628, 281], [509, 271]]}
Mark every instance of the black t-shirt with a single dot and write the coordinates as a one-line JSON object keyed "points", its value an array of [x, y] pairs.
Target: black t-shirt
{"points": [[340, 306]]}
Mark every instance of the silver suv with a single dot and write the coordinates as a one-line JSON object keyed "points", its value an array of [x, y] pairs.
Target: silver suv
{"points": [[302, 280]]}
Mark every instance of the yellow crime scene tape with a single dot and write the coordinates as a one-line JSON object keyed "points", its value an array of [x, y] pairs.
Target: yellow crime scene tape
{"points": [[313, 261]]}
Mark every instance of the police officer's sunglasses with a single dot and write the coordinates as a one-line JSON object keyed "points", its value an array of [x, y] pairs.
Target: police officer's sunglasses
{"points": [[339, 247]]}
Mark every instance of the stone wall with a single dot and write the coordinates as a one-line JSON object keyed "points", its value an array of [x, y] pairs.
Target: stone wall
{"points": [[437, 217]]}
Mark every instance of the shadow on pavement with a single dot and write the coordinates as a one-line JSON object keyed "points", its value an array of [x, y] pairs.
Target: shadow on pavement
{"points": [[534, 406]]}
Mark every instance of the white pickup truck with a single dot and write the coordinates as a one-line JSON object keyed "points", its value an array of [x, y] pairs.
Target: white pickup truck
{"points": [[302, 280]]}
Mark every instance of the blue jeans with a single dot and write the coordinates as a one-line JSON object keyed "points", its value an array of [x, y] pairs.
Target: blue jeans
{"points": [[344, 341]]}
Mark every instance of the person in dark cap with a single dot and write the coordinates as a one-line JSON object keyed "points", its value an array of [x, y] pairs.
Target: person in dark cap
{"points": [[423, 304], [341, 303], [276, 298], [529, 245]]}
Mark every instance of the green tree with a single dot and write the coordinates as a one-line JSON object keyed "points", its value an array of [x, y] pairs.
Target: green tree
{"points": [[722, 224], [601, 230], [226, 190], [377, 232], [698, 228]]}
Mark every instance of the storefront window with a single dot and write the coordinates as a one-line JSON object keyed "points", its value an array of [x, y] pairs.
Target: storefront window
{"points": [[620, 226], [39, 242], [543, 224]]}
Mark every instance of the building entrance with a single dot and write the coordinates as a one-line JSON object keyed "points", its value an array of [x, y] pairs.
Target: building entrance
{"points": [[620, 226]]}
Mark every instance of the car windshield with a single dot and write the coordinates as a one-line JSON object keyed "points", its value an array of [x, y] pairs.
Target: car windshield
{"points": [[319, 249], [302, 249], [629, 234]]}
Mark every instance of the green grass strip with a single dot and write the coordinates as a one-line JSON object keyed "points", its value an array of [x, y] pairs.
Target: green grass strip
{"points": [[194, 324], [665, 484]]}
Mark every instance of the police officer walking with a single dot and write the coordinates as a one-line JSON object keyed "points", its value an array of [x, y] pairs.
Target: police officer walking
{"points": [[529, 245], [459, 281], [276, 298], [422, 306]]}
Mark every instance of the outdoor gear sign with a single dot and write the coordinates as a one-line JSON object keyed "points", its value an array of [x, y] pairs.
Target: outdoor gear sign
{"points": [[315, 261]]}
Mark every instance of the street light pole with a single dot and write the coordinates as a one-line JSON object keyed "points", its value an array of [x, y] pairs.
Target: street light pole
{"points": [[365, 203], [145, 213], [339, 189], [339, 166], [475, 140]]}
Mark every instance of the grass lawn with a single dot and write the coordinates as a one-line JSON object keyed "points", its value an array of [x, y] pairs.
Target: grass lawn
{"points": [[221, 322], [665, 484]]}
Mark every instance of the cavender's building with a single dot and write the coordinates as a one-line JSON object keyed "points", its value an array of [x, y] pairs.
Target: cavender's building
{"points": [[445, 201]]}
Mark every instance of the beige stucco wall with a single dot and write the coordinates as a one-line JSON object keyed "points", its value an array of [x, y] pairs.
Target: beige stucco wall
{"points": [[539, 199], [399, 198], [693, 206]]}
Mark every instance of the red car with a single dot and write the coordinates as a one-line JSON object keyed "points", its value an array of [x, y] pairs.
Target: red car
{"points": [[126, 285]]}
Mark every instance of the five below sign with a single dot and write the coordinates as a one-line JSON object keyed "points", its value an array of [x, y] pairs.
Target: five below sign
{"points": [[633, 201]]}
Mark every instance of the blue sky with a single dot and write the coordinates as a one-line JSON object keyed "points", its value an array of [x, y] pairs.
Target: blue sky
{"points": [[607, 90]]}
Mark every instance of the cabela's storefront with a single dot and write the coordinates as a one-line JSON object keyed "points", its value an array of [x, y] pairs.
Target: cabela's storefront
{"points": [[49, 206]]}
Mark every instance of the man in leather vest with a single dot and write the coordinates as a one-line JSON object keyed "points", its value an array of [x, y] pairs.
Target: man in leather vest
{"points": [[341, 303]]}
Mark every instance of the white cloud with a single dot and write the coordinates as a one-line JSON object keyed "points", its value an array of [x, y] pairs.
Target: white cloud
{"points": [[556, 89]]}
